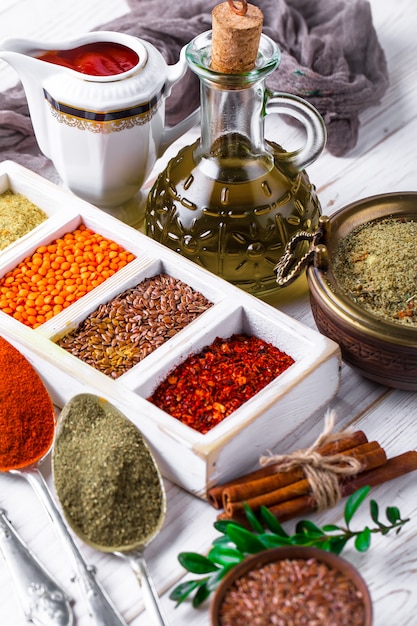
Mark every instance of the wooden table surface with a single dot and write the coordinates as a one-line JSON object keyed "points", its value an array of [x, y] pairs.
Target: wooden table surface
{"points": [[384, 160]]}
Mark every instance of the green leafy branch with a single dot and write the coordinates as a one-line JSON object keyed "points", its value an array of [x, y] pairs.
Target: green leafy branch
{"points": [[236, 542]]}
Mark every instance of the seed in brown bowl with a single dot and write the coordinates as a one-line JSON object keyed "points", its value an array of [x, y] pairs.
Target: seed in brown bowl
{"points": [[291, 592]]}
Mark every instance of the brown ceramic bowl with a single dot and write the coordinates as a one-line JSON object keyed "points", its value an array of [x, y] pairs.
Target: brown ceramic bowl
{"points": [[258, 561], [380, 350]]}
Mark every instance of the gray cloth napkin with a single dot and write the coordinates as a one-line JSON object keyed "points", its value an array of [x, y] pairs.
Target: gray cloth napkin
{"points": [[331, 56]]}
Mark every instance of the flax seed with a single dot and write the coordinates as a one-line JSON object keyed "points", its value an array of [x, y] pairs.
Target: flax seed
{"points": [[293, 592], [120, 333]]}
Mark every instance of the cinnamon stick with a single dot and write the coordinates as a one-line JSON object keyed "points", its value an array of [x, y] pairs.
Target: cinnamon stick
{"points": [[393, 468], [371, 457], [282, 479], [249, 480]]}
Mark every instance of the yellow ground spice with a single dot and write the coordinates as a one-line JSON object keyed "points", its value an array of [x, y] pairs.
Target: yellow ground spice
{"points": [[375, 266], [18, 216]]}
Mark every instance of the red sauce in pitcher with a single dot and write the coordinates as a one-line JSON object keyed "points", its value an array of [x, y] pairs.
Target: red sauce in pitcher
{"points": [[103, 58]]}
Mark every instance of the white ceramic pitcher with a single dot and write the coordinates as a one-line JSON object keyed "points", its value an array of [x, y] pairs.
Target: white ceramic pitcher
{"points": [[103, 133]]}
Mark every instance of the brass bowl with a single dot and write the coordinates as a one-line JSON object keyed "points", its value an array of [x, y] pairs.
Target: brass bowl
{"points": [[381, 350], [273, 555]]}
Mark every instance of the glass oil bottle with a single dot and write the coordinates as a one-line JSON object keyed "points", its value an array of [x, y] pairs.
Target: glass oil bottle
{"points": [[232, 200]]}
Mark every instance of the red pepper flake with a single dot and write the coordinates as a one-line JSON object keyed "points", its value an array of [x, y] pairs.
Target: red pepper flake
{"points": [[210, 385]]}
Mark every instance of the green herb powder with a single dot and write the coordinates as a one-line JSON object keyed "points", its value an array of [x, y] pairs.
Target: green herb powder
{"points": [[18, 216], [375, 266], [105, 477]]}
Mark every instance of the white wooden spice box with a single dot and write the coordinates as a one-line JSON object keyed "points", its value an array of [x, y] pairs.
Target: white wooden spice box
{"points": [[192, 460]]}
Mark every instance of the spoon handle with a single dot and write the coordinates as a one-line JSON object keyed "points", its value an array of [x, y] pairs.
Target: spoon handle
{"points": [[150, 595], [101, 610], [43, 602]]}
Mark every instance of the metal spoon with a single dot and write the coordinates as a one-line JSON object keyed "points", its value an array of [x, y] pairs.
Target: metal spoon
{"points": [[101, 610], [43, 601], [40, 413], [133, 553]]}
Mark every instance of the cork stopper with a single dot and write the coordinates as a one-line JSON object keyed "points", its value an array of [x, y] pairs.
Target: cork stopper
{"points": [[237, 28]]}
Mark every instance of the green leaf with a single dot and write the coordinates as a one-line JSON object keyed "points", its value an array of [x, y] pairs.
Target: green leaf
{"points": [[393, 514], [354, 502], [183, 590], [328, 528], [202, 594], [326, 545], [323, 544], [374, 508], [223, 540], [196, 563], [222, 524], [271, 522], [337, 544], [224, 556], [307, 527], [215, 579], [363, 540], [244, 540], [252, 519], [301, 539], [271, 540]]}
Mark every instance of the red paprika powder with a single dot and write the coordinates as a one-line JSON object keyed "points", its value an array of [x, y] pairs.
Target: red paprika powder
{"points": [[27, 416], [210, 385]]}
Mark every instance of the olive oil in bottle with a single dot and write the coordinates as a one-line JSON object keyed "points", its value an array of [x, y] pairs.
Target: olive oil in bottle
{"points": [[231, 201]]}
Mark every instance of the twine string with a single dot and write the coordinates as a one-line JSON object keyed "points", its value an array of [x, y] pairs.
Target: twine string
{"points": [[242, 10], [322, 472]]}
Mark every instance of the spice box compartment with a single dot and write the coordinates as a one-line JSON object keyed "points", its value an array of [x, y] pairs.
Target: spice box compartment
{"points": [[23, 183], [189, 458], [236, 443]]}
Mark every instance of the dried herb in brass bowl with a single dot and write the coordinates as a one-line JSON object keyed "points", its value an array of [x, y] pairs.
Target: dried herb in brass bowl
{"points": [[364, 296], [292, 585]]}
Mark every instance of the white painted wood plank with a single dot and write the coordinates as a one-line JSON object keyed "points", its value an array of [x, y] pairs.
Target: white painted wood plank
{"points": [[384, 160]]}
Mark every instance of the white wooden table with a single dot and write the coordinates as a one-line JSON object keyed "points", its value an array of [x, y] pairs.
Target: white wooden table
{"points": [[384, 160]]}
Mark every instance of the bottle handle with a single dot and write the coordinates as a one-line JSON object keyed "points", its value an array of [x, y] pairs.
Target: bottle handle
{"points": [[307, 114], [290, 266]]}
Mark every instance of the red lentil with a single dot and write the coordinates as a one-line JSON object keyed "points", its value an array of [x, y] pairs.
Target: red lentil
{"points": [[58, 274], [210, 385]]}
